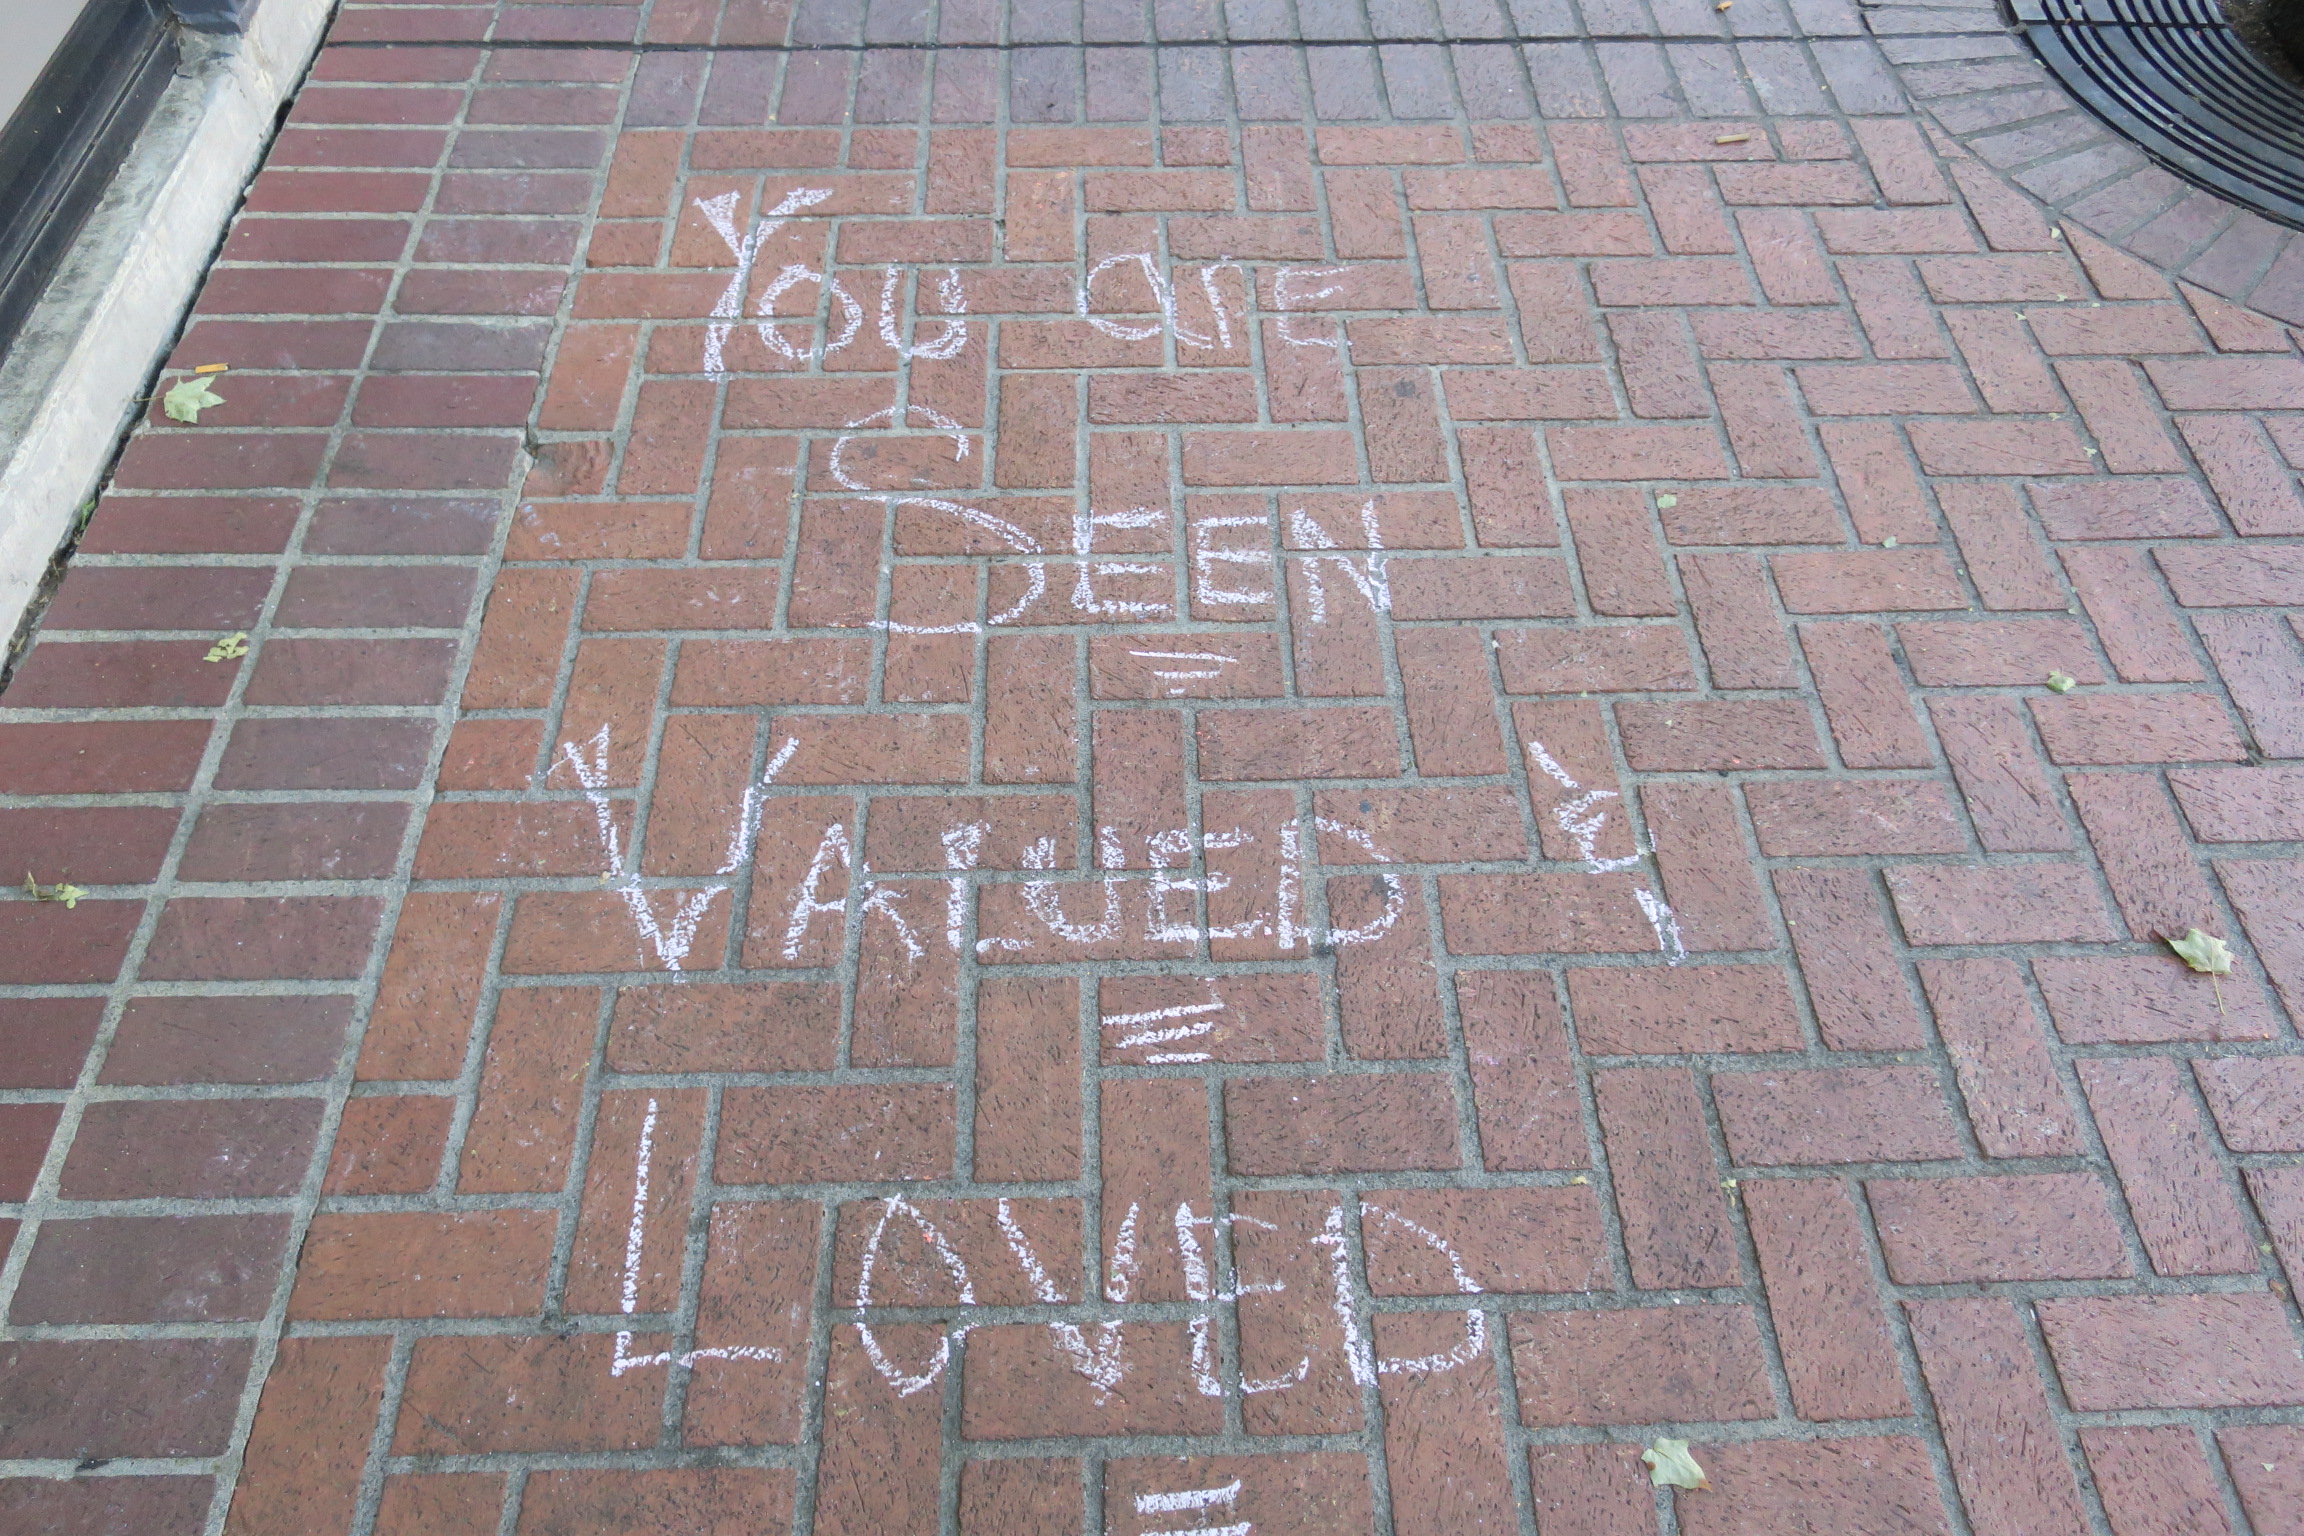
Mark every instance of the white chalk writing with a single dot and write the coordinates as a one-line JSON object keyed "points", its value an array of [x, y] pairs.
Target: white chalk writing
{"points": [[1582, 822], [635, 1244], [670, 943], [1195, 1501]]}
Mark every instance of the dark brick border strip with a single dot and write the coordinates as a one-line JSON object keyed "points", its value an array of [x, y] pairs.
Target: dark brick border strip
{"points": [[176, 1047]]}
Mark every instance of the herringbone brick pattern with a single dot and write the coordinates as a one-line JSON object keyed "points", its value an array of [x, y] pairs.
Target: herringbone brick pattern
{"points": [[1224, 825]]}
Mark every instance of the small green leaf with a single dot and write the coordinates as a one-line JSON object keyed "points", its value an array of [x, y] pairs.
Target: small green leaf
{"points": [[230, 648], [2060, 683], [2204, 952], [187, 400], [1667, 500], [68, 894], [1670, 1463]]}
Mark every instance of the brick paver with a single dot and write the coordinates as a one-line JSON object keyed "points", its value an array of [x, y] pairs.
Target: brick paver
{"points": [[1249, 788]]}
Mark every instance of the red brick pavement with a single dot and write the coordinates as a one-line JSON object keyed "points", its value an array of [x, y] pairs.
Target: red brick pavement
{"points": [[1269, 827]]}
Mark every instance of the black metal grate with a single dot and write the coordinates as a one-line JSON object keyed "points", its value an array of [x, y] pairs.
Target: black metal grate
{"points": [[2173, 76]]}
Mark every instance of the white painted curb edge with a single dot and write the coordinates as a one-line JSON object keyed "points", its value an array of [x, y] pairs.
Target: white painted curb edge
{"points": [[68, 387]]}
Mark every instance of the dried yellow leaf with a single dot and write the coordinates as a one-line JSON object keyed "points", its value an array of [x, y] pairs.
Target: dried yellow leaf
{"points": [[2204, 952], [187, 400], [1669, 1463], [68, 894]]}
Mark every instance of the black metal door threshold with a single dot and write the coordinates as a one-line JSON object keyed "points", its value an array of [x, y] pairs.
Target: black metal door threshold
{"points": [[59, 151]]}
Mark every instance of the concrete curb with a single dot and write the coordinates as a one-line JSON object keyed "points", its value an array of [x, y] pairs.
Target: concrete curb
{"points": [[67, 390]]}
